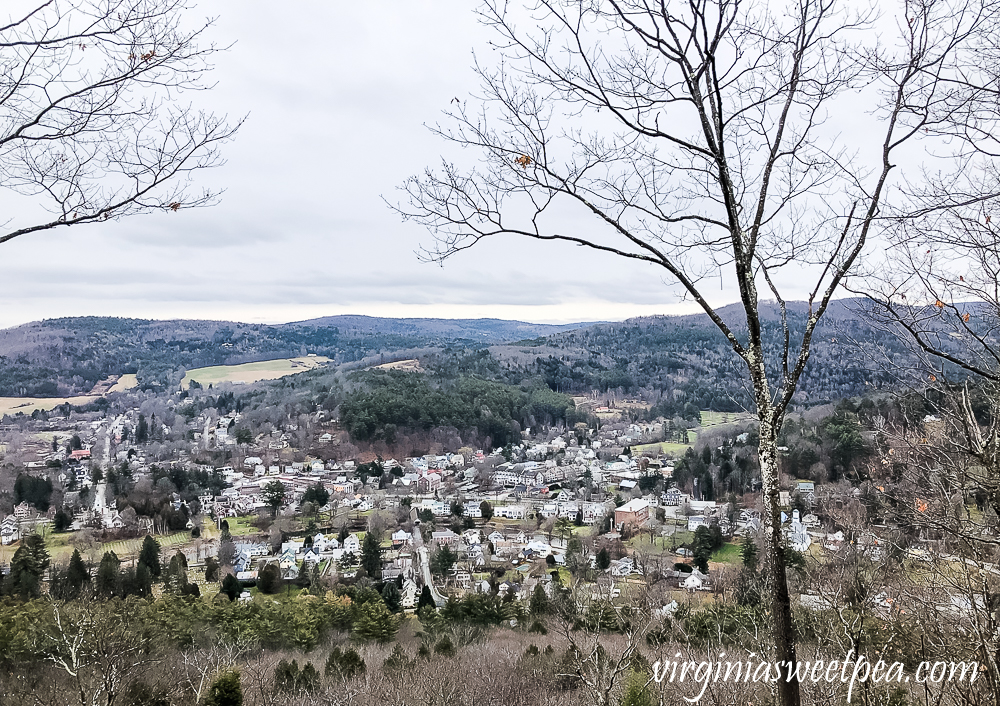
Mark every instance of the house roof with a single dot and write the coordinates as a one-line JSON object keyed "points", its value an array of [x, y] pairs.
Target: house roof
{"points": [[634, 505]]}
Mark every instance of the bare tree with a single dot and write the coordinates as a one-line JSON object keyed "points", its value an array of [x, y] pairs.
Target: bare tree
{"points": [[753, 142], [94, 123], [98, 646]]}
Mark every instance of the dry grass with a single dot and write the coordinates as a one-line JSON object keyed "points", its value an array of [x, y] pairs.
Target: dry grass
{"points": [[27, 405], [253, 372], [410, 366], [125, 382]]}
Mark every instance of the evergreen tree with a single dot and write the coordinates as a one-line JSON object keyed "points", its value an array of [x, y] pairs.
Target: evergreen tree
{"points": [[149, 556], [371, 557], [391, 596], [748, 551], [77, 574], [603, 559], [486, 510], [539, 604], [269, 580], [274, 495], [231, 587], [175, 579], [143, 580], [142, 430], [107, 582], [27, 568], [227, 547], [443, 560], [62, 520], [375, 622], [637, 691], [211, 569], [344, 664], [426, 598], [705, 542]]}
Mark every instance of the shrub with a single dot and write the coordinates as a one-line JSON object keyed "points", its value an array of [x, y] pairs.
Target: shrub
{"points": [[226, 690], [344, 664], [445, 647]]}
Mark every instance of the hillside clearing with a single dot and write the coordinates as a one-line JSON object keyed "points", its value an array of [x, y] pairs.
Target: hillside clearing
{"points": [[27, 405], [252, 372]]}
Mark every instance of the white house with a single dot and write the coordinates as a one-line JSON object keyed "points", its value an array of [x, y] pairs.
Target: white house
{"points": [[695, 581], [410, 594], [401, 538], [10, 530], [696, 521], [352, 544]]}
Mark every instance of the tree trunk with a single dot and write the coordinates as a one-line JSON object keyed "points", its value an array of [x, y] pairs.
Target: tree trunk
{"points": [[774, 557]]}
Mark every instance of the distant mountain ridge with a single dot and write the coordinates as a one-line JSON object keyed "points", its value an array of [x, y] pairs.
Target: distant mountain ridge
{"points": [[67, 356], [681, 355], [487, 330]]}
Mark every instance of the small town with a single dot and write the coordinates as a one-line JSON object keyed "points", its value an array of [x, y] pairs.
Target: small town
{"points": [[504, 353]]}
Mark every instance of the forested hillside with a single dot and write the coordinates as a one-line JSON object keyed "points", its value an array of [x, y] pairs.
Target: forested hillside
{"points": [[685, 360], [392, 400], [678, 362]]}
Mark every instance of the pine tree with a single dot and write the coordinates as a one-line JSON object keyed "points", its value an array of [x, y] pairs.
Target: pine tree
{"points": [[143, 580], [231, 587], [375, 622], [637, 692], [371, 557], [391, 596], [748, 551], [227, 547], [175, 579], [149, 556], [426, 599], [77, 574], [603, 559], [27, 568], [539, 604], [108, 575], [344, 664]]}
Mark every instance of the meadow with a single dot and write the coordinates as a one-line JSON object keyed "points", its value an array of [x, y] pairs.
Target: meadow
{"points": [[252, 372]]}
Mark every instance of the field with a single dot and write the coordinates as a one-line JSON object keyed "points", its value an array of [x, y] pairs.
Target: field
{"points": [[27, 405], [125, 382], [60, 549], [713, 419], [668, 448], [410, 366], [253, 372]]}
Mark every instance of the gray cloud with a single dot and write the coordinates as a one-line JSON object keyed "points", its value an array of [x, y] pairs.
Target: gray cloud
{"points": [[337, 95]]}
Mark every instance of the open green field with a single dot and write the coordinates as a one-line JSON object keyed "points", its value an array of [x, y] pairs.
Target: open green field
{"points": [[667, 448], [714, 419], [253, 372], [708, 419], [727, 554], [131, 547], [60, 549]]}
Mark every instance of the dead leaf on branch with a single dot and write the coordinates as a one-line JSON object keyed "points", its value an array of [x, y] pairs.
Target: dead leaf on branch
{"points": [[523, 161], [175, 206]]}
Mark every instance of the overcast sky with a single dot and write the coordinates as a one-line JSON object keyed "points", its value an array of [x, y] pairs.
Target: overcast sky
{"points": [[337, 95]]}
